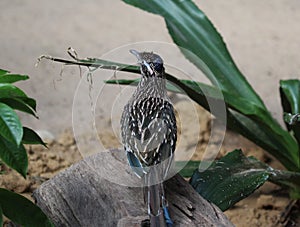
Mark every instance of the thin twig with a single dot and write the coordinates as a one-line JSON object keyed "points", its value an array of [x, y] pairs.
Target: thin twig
{"points": [[285, 214]]}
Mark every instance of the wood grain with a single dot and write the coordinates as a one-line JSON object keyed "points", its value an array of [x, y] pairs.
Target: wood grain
{"points": [[84, 195]]}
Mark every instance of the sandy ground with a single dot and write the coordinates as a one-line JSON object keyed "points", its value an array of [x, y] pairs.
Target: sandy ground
{"points": [[262, 37]]}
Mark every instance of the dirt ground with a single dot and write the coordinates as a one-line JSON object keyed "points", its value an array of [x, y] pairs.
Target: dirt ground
{"points": [[262, 36]]}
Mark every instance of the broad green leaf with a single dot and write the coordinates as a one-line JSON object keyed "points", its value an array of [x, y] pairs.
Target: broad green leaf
{"points": [[6, 77], [11, 78], [10, 91], [256, 124], [265, 137], [250, 120], [236, 176], [230, 179], [191, 30], [290, 90], [245, 117], [18, 104], [187, 168], [3, 72], [14, 156], [31, 137], [290, 100], [10, 125], [29, 101], [21, 210]]}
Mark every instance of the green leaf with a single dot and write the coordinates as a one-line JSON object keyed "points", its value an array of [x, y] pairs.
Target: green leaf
{"points": [[19, 104], [187, 168], [14, 156], [290, 100], [10, 91], [3, 72], [191, 30], [235, 176], [29, 101], [256, 124], [230, 179], [31, 137], [21, 210], [10, 125], [290, 92], [200, 42], [6, 77], [283, 147], [11, 78]]}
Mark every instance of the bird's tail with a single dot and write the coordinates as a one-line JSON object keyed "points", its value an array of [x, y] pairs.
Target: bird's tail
{"points": [[156, 203]]}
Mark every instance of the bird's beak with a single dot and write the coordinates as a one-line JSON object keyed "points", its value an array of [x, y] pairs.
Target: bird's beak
{"points": [[141, 60], [137, 55]]}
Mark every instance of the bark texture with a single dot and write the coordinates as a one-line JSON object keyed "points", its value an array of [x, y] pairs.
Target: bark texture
{"points": [[92, 193]]}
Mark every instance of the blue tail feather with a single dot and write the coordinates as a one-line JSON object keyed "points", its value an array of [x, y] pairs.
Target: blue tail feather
{"points": [[135, 164]]}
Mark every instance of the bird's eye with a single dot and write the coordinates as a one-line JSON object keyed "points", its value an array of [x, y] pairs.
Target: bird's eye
{"points": [[144, 68], [158, 67]]}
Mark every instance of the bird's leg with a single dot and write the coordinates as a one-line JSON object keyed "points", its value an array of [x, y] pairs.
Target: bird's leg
{"points": [[164, 202], [153, 198]]}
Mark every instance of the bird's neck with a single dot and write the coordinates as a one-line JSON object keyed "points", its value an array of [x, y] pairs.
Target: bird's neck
{"points": [[151, 86]]}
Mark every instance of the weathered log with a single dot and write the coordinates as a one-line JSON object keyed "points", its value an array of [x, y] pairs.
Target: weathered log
{"points": [[86, 195]]}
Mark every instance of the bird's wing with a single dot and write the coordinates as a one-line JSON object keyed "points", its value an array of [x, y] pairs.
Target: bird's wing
{"points": [[149, 133]]}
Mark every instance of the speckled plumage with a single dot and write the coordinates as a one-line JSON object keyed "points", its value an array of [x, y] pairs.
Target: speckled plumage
{"points": [[149, 132], [148, 123]]}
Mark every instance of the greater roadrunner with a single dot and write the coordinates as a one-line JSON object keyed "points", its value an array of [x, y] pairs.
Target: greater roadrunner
{"points": [[149, 134]]}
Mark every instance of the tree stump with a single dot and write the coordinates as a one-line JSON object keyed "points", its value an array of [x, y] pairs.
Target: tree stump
{"points": [[85, 195]]}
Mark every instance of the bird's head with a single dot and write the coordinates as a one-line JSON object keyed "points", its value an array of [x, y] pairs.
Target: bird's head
{"points": [[151, 64]]}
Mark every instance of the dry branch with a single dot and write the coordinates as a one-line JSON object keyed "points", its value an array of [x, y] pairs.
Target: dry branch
{"points": [[82, 195]]}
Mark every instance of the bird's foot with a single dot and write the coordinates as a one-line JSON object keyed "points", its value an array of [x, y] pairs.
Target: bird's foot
{"points": [[168, 220]]}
